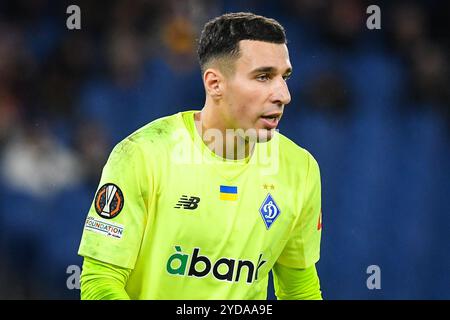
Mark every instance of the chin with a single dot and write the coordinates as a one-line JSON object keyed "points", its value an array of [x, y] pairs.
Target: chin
{"points": [[264, 135], [259, 135]]}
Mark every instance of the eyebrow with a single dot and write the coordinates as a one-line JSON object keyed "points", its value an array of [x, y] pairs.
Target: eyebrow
{"points": [[269, 70]]}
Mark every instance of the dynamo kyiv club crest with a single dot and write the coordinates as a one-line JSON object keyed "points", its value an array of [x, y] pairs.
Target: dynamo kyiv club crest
{"points": [[269, 211]]}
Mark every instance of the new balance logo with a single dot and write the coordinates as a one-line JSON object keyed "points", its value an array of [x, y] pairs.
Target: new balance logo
{"points": [[190, 203]]}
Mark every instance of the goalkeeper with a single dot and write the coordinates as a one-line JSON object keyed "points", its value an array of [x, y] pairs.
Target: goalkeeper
{"points": [[204, 203]]}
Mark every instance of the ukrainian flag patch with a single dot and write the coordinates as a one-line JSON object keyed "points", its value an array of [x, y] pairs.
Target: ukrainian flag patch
{"points": [[228, 193]]}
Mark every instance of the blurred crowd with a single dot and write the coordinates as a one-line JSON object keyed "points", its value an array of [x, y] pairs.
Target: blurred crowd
{"points": [[373, 106]]}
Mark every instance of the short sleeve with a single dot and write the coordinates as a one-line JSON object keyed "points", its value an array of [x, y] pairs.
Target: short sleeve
{"points": [[116, 221], [303, 247]]}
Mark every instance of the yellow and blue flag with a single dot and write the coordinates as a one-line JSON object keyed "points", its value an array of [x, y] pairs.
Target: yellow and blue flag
{"points": [[228, 193]]}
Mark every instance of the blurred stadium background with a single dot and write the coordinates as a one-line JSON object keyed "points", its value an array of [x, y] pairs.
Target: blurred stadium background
{"points": [[372, 107]]}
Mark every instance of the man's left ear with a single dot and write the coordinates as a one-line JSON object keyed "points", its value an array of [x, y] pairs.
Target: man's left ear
{"points": [[214, 81]]}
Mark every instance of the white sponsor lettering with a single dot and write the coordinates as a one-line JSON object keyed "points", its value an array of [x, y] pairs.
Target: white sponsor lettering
{"points": [[106, 228]]}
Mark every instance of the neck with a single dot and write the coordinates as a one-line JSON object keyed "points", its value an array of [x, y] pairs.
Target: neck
{"points": [[220, 138]]}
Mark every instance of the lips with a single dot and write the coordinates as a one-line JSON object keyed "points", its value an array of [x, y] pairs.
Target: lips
{"points": [[270, 122], [275, 114]]}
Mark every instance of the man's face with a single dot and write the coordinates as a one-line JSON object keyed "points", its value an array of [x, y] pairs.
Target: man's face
{"points": [[256, 93]]}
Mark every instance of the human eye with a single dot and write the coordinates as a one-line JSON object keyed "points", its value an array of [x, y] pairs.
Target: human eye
{"points": [[263, 77], [286, 77]]}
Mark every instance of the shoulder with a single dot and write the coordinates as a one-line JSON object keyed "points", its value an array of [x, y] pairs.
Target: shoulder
{"points": [[149, 139], [299, 165], [296, 155], [157, 131]]}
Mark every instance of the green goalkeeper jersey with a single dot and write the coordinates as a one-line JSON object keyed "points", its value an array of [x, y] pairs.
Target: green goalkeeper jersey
{"points": [[192, 225]]}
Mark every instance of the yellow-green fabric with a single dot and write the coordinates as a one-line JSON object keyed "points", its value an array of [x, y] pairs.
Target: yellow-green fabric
{"points": [[296, 284], [196, 226], [103, 281]]}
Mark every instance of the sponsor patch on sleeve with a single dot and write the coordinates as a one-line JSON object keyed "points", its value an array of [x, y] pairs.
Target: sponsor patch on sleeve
{"points": [[109, 201], [107, 228]]}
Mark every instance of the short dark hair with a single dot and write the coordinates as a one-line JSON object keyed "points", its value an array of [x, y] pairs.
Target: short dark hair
{"points": [[220, 36]]}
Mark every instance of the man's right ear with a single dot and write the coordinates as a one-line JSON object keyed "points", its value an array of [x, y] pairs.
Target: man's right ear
{"points": [[214, 81]]}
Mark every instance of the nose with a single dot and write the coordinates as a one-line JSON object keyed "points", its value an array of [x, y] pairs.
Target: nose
{"points": [[281, 94]]}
